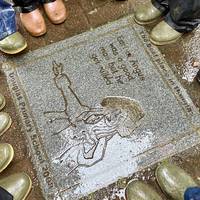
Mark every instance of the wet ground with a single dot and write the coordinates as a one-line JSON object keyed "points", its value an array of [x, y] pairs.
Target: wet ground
{"points": [[188, 160], [183, 57]]}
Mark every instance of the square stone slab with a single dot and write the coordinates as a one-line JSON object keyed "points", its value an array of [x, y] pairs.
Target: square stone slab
{"points": [[98, 107]]}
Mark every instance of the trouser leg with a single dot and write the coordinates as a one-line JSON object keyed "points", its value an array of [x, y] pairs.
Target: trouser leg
{"points": [[7, 20], [46, 1], [30, 5], [162, 5], [26, 6], [192, 193], [184, 15], [5, 195]]}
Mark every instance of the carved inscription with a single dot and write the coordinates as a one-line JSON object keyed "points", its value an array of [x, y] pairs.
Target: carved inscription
{"points": [[30, 130], [117, 63]]}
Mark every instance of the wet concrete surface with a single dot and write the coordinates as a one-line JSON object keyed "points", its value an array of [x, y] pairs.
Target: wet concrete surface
{"points": [[188, 160], [183, 56]]}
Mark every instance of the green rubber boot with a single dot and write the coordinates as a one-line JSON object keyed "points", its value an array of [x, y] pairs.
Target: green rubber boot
{"points": [[163, 34], [2, 102], [18, 185], [138, 190], [146, 14], [5, 122], [13, 44], [6, 155], [173, 180]]}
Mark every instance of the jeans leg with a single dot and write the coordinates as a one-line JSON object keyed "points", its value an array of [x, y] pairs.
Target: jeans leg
{"points": [[184, 15], [26, 6], [192, 193], [7, 20], [162, 5]]}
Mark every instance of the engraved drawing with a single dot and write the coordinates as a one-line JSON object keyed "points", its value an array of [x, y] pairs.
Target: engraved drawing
{"points": [[88, 130]]}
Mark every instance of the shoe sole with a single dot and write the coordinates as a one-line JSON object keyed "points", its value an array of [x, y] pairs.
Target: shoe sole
{"points": [[7, 127], [146, 23], [164, 43], [15, 51], [10, 158], [3, 105], [38, 35]]}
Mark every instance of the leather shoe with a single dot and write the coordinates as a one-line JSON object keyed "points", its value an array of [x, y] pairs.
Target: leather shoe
{"points": [[34, 22], [56, 11]]}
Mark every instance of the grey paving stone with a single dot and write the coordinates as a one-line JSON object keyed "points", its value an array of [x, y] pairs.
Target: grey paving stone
{"points": [[98, 107]]}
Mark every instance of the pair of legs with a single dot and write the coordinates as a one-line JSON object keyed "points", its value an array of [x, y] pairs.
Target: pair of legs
{"points": [[180, 16], [11, 41], [32, 18]]}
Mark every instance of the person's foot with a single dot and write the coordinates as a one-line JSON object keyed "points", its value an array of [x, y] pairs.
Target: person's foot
{"points": [[17, 185], [5, 122], [56, 11], [6, 155], [173, 180], [138, 190], [13, 44], [146, 14], [2, 102], [163, 34], [34, 22]]}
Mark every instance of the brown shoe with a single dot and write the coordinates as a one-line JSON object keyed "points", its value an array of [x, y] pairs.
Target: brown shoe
{"points": [[34, 22], [56, 11]]}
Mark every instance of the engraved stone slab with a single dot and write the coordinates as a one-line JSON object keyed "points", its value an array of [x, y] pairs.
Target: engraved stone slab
{"points": [[98, 107]]}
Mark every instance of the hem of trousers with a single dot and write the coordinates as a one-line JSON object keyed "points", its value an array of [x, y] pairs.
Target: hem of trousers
{"points": [[179, 28], [6, 34]]}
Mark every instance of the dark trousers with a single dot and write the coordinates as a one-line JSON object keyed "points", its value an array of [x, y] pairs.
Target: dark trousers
{"points": [[5, 195], [29, 5], [182, 15]]}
